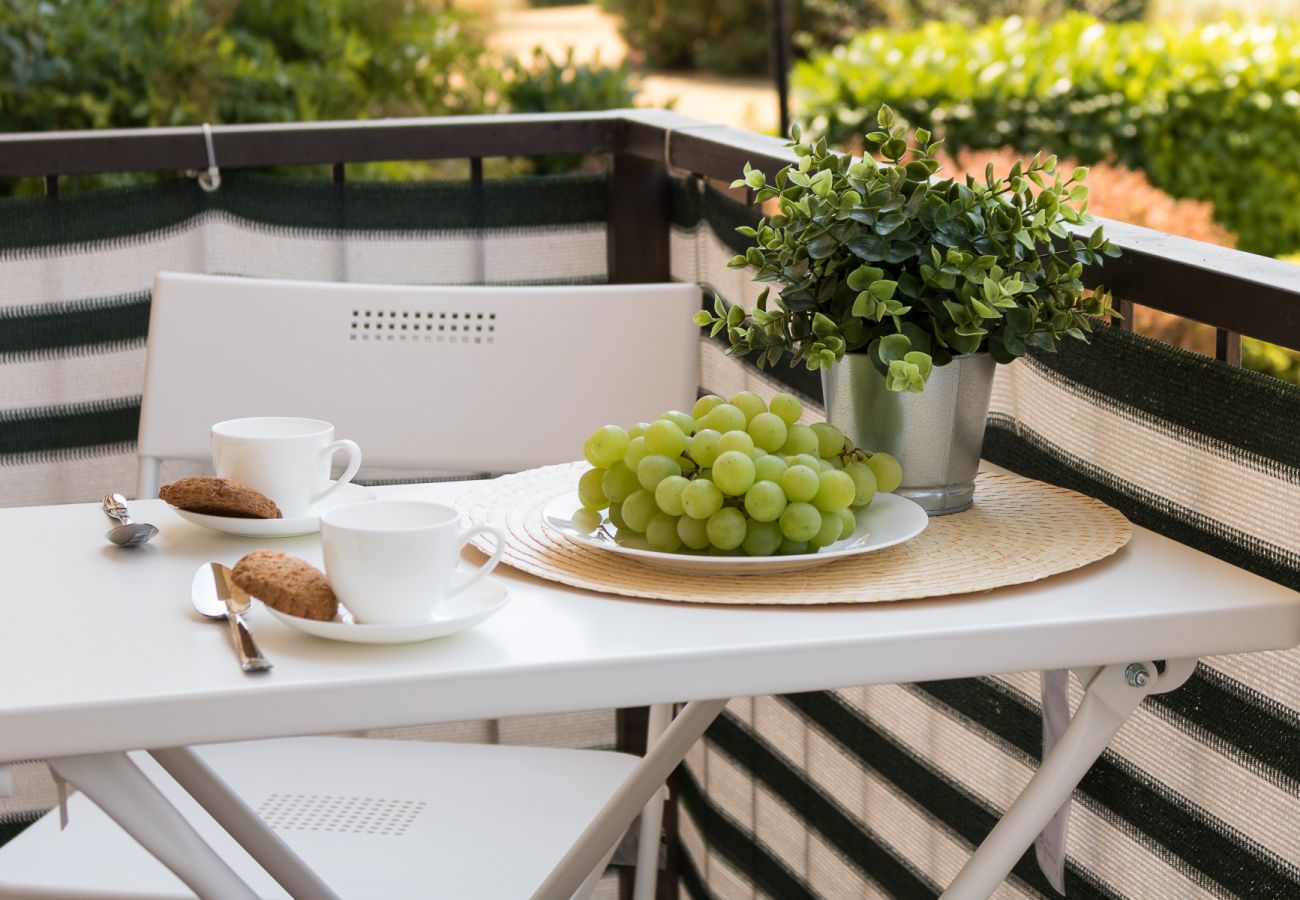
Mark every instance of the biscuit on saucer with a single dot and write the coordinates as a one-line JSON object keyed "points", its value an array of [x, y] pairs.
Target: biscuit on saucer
{"points": [[287, 584], [219, 497]]}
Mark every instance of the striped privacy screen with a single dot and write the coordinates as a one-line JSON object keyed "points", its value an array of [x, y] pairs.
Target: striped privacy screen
{"points": [[877, 792], [884, 791]]}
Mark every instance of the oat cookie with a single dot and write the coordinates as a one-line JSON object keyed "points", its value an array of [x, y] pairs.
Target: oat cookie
{"points": [[288, 584], [219, 497]]}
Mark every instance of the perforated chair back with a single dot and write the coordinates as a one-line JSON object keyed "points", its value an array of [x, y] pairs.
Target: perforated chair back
{"points": [[460, 378]]}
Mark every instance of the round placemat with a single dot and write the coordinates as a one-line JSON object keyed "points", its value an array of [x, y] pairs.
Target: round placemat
{"points": [[1018, 531]]}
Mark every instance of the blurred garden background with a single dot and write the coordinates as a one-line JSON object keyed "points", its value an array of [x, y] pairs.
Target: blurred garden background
{"points": [[1188, 111]]}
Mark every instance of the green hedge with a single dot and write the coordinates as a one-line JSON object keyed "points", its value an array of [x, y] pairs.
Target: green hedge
{"points": [[734, 37], [1211, 114]]}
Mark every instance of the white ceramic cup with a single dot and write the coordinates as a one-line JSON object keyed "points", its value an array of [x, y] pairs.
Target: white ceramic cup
{"points": [[287, 459], [391, 562]]}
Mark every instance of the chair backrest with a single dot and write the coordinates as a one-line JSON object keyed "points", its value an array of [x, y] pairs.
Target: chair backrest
{"points": [[460, 378]]}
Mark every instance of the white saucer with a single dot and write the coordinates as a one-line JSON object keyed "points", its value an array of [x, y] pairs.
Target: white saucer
{"points": [[309, 524], [887, 521], [465, 610]]}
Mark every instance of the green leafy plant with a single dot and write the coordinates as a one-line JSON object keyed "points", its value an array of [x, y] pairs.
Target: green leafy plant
{"points": [[734, 36], [877, 255], [1210, 113]]}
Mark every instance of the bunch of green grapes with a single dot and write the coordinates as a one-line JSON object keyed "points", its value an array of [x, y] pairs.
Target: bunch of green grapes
{"points": [[734, 476]]}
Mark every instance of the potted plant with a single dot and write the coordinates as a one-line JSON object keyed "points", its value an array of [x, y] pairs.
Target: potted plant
{"points": [[904, 290]]}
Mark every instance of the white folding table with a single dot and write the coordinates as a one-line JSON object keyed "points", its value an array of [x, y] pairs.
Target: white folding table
{"points": [[101, 654]]}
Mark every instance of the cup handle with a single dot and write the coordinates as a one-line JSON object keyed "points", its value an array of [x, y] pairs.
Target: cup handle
{"points": [[354, 463], [483, 570]]}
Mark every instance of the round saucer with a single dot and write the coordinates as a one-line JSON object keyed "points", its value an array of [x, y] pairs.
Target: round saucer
{"points": [[309, 524], [476, 603]]}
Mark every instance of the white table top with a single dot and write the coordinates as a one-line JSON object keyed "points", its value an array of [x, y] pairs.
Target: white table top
{"points": [[99, 649]]}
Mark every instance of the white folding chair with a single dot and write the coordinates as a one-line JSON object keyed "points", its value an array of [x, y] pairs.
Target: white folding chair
{"points": [[461, 378]]}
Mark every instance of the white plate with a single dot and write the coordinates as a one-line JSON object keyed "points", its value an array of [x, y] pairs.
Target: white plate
{"points": [[465, 610], [889, 520], [309, 524]]}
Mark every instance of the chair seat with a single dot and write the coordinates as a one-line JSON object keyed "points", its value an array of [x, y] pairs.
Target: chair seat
{"points": [[367, 815]]}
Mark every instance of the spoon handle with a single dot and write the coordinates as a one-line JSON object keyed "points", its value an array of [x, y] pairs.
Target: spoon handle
{"points": [[115, 508], [250, 658]]}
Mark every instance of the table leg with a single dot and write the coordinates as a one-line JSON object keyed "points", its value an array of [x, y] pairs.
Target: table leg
{"points": [[123, 792], [618, 813], [1113, 693], [652, 816], [243, 824]]}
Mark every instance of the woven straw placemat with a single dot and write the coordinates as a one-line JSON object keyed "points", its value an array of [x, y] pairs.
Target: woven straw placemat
{"points": [[1018, 531]]}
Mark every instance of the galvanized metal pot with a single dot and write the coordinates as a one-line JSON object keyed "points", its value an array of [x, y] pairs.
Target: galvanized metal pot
{"points": [[935, 435]]}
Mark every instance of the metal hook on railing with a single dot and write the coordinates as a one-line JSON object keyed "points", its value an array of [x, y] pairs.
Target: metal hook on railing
{"points": [[211, 179]]}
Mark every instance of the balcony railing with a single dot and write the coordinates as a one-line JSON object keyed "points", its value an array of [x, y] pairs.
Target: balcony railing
{"points": [[1237, 293]]}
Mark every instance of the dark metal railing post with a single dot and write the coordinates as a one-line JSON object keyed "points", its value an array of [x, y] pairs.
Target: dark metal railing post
{"points": [[52, 186], [1227, 346], [637, 220], [781, 62]]}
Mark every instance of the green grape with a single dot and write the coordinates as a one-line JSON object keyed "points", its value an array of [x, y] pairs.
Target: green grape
{"points": [[824, 465], [590, 491], [803, 459], [765, 501], [693, 532], [638, 510], [703, 446], [736, 440], [757, 453], [889, 474], [686, 464], [835, 491], [769, 468], [864, 483], [800, 439], [701, 498], [768, 431], [727, 528], [799, 522], [762, 538], [724, 418], [661, 533], [638, 430], [586, 520], [830, 439], [829, 533], [749, 403], [665, 438], [850, 523], [636, 451], [616, 515], [681, 420], [704, 405], [800, 483], [668, 495], [733, 473], [606, 446], [654, 469], [787, 406], [792, 548], [619, 482]]}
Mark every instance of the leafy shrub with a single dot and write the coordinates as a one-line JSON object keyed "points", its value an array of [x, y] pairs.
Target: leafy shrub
{"points": [[734, 37], [72, 64], [546, 84], [1211, 114], [1127, 196]]}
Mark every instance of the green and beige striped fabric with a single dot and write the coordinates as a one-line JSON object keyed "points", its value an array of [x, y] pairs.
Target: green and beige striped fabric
{"points": [[883, 791]]}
